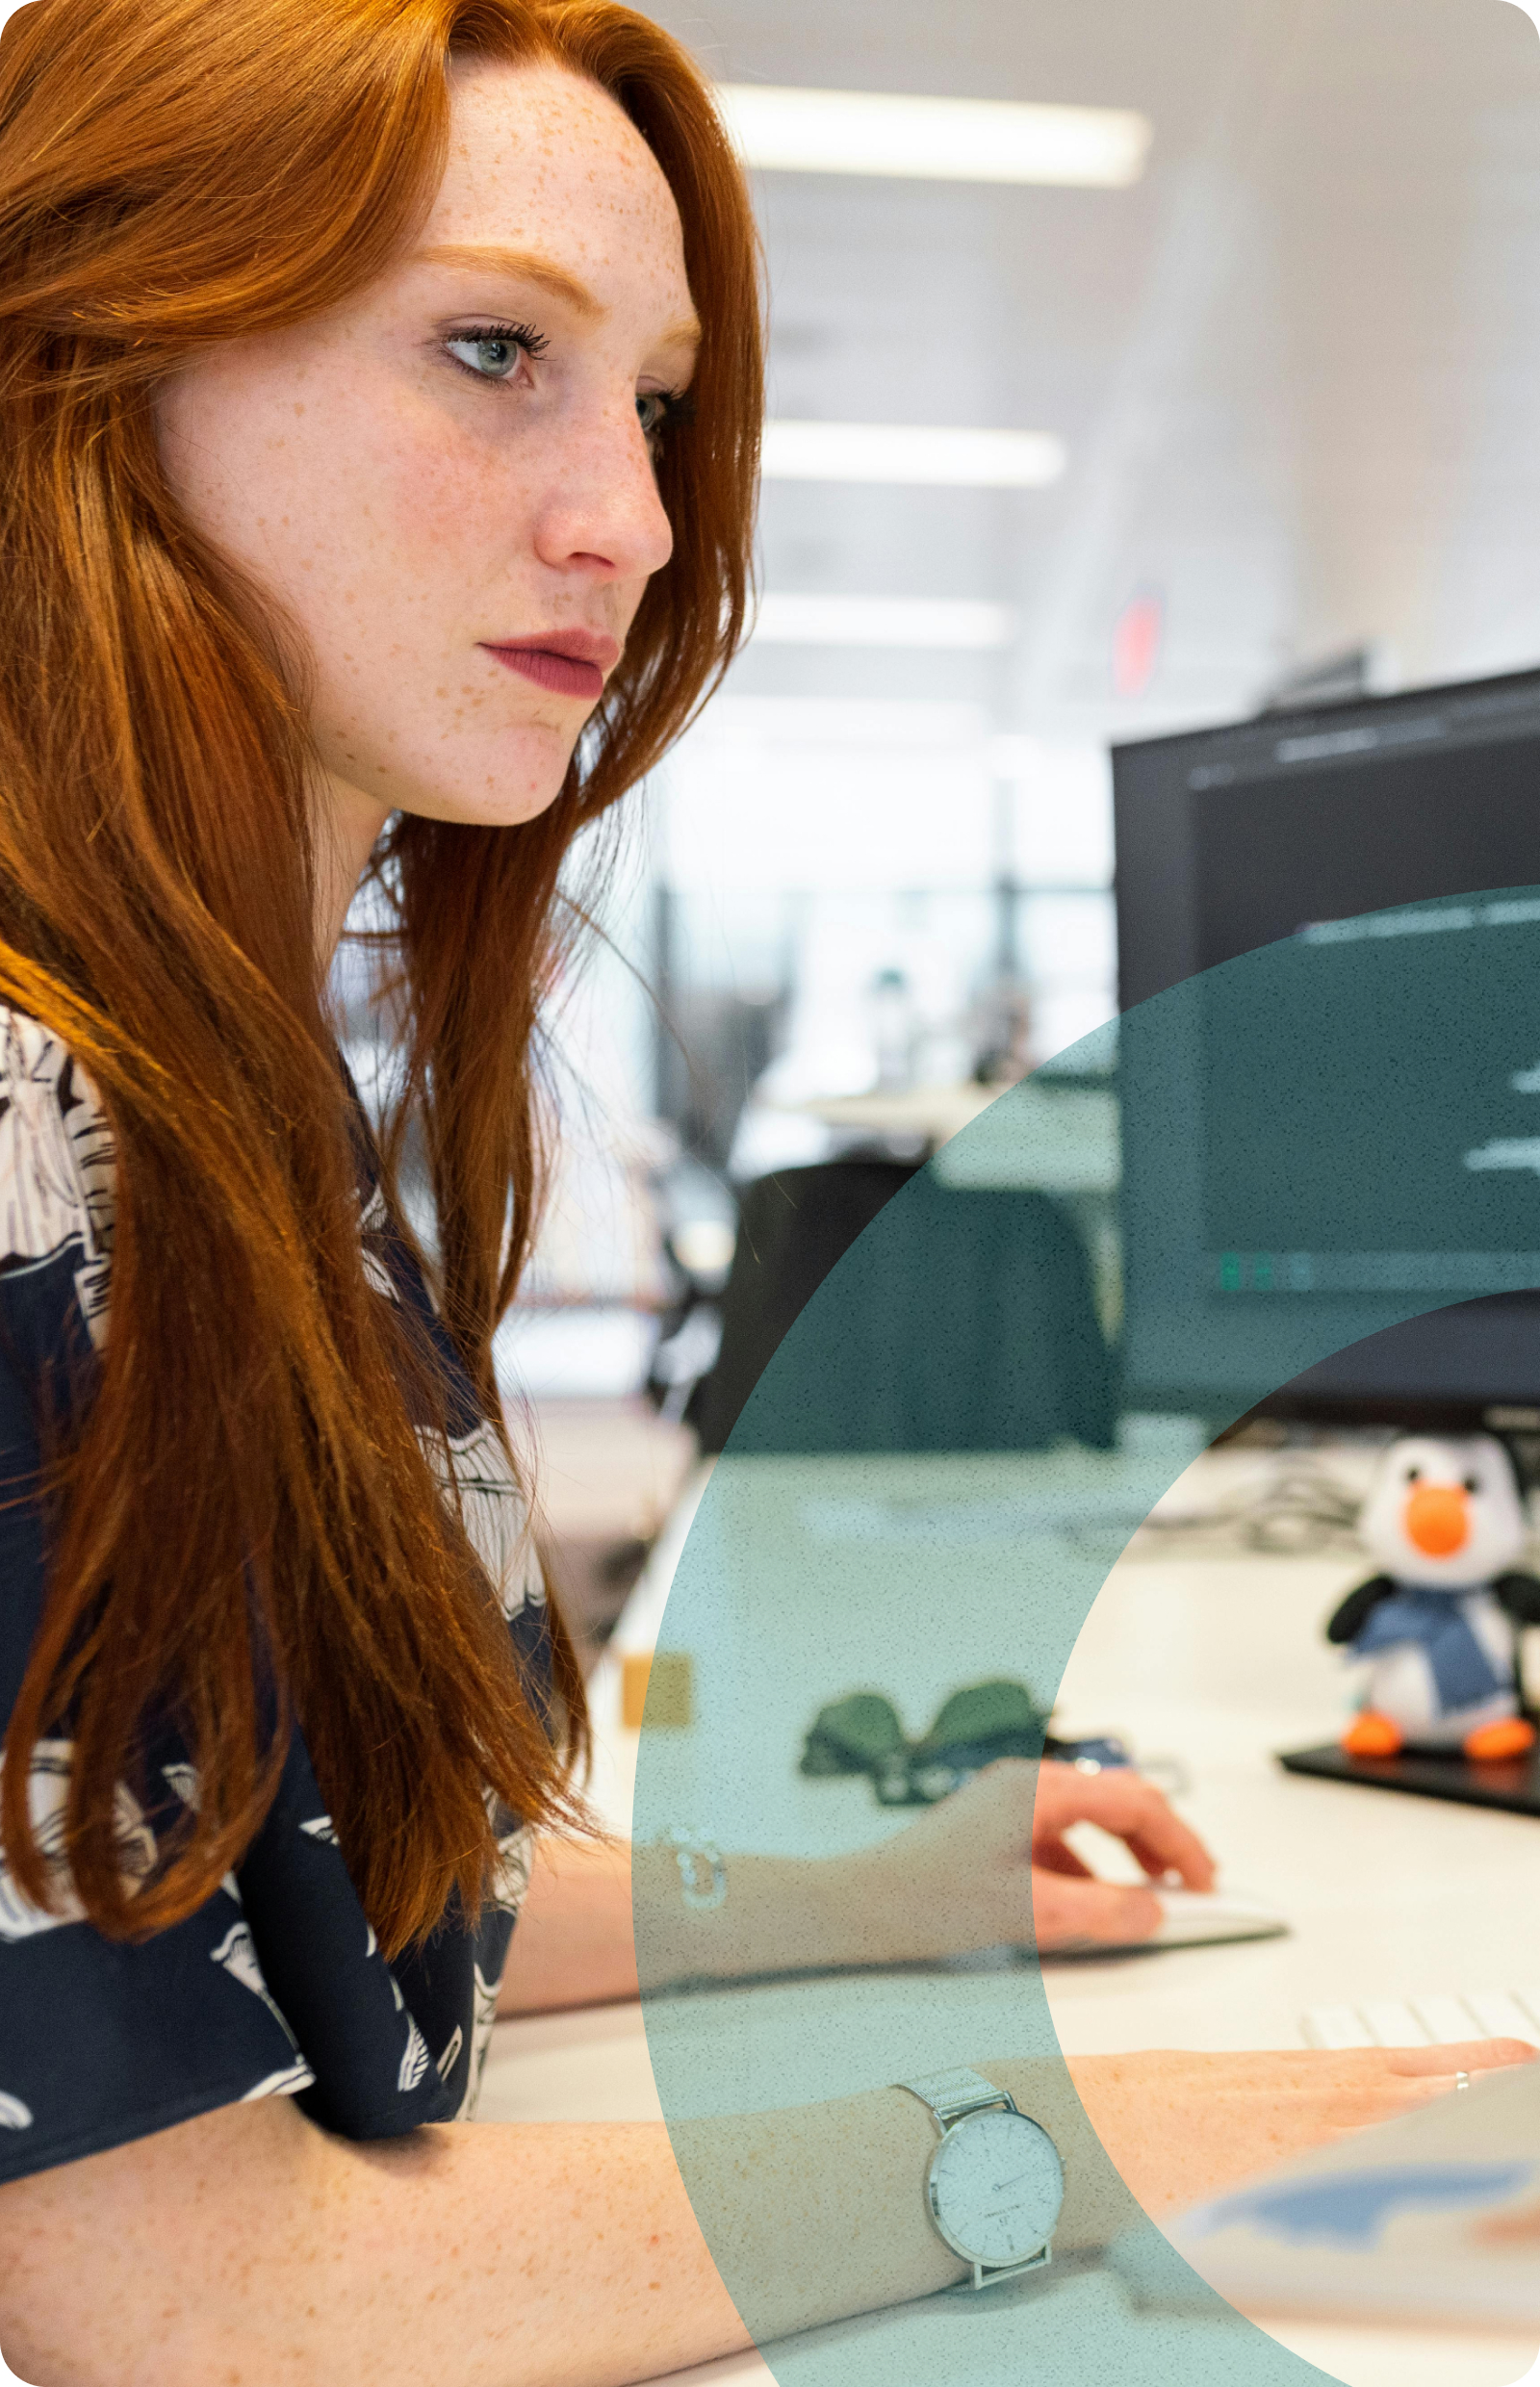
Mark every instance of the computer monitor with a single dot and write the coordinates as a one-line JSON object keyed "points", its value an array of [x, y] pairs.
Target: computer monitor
{"points": [[1287, 826]]}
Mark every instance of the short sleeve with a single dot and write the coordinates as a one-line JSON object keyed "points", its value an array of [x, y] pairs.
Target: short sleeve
{"points": [[276, 1986], [98, 2042]]}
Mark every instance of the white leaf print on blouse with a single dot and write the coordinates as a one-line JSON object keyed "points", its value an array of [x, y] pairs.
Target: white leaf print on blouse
{"points": [[284, 2084], [183, 1780], [486, 2014], [372, 1226], [492, 1504], [56, 1161], [47, 1795], [13, 2115], [238, 1954], [509, 1879], [415, 2060], [492, 1508]]}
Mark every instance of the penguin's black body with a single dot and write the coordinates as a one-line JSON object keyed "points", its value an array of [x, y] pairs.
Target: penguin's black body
{"points": [[1439, 1627], [1517, 1594]]}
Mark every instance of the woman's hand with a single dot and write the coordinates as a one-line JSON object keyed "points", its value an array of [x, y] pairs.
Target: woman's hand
{"points": [[990, 1864], [986, 1867], [1181, 2127]]}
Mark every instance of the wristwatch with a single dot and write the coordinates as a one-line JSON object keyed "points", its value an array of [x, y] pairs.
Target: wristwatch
{"points": [[995, 2183]]}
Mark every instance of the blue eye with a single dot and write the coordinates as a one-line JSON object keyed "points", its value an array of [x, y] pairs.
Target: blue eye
{"points": [[515, 339], [658, 410]]}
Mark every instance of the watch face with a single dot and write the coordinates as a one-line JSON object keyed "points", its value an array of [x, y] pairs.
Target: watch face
{"points": [[997, 2185]]}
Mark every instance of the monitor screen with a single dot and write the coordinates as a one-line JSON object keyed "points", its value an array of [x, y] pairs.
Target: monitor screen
{"points": [[1295, 827]]}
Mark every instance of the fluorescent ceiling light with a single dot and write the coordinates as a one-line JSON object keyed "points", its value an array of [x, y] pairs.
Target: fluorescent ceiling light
{"points": [[816, 620], [939, 454], [791, 130]]}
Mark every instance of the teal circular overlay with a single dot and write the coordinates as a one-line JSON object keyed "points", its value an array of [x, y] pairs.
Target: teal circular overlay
{"points": [[1322, 1141]]}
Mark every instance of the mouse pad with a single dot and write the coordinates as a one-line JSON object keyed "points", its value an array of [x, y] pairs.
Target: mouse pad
{"points": [[1511, 1782]]}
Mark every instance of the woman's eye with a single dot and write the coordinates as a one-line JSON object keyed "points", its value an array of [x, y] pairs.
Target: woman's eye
{"points": [[498, 345], [652, 409]]}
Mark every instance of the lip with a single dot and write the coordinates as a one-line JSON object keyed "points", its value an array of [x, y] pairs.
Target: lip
{"points": [[565, 663]]}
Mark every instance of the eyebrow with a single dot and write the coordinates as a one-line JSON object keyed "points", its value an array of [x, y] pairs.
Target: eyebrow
{"points": [[528, 263]]}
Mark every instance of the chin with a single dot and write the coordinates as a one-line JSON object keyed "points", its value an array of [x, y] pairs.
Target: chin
{"points": [[513, 793]]}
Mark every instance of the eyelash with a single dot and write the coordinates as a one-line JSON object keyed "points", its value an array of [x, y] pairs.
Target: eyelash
{"points": [[535, 344], [679, 406]]}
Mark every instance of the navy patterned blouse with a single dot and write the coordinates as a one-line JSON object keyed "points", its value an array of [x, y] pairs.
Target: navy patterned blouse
{"points": [[276, 1985]]}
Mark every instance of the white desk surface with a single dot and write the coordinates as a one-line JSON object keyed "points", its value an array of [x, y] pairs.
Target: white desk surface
{"points": [[1215, 1658]]}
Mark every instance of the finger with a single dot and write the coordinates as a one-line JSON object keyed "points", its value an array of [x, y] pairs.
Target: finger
{"points": [[1426, 2089], [1056, 1857], [1473, 2055], [1157, 1864], [1392, 2095], [1132, 1809], [1064, 1910]]}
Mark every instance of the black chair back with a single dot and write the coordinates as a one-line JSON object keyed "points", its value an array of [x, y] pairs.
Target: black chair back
{"points": [[964, 1321]]}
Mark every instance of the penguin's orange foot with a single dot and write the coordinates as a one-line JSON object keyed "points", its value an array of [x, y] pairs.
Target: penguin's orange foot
{"points": [[1508, 1739], [1370, 1734]]}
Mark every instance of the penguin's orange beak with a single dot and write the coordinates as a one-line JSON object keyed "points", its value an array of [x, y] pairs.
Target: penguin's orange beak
{"points": [[1438, 1518]]}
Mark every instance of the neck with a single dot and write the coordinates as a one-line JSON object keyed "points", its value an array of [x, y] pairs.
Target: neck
{"points": [[346, 828]]}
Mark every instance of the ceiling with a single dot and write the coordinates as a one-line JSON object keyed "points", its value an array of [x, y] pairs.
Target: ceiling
{"points": [[1296, 365]]}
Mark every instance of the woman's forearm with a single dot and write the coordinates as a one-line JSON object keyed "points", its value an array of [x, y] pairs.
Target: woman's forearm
{"points": [[574, 1943], [781, 1913], [486, 2255], [475, 2255], [249, 2244]]}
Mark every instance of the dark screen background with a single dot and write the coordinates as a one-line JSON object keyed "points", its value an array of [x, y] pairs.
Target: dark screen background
{"points": [[1341, 1141], [1327, 842]]}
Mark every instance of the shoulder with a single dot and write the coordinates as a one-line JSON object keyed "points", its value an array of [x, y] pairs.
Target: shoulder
{"points": [[56, 1161]]}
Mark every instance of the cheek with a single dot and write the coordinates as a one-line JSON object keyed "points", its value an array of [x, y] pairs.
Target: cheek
{"points": [[403, 567], [427, 499]]}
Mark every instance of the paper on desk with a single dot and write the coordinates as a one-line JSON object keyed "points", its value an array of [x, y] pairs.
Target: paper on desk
{"points": [[1433, 2219]]}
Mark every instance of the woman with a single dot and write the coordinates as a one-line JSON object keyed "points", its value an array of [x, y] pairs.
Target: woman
{"points": [[348, 357]]}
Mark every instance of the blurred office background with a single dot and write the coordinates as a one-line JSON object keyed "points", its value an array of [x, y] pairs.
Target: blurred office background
{"points": [[1082, 425]]}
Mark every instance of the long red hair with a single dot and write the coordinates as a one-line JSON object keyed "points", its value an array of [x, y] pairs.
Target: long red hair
{"points": [[246, 1501]]}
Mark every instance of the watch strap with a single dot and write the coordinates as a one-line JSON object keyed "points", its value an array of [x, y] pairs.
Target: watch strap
{"points": [[952, 2094]]}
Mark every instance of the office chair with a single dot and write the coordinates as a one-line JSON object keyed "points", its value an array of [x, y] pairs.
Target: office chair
{"points": [[926, 1318]]}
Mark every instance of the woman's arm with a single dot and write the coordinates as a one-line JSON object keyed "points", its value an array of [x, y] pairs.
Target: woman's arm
{"points": [[249, 2244], [574, 1944], [989, 1864]]}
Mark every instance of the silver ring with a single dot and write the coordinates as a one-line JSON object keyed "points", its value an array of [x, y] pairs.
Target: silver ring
{"points": [[1462, 2080]]}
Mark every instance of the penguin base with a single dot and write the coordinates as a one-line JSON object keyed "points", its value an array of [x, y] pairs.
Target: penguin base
{"points": [[1509, 1737], [1371, 1734]]}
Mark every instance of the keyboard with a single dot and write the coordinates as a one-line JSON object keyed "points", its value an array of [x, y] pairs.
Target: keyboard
{"points": [[1441, 2021]]}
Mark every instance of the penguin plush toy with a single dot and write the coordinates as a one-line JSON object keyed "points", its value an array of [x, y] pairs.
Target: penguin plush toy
{"points": [[1439, 1627]]}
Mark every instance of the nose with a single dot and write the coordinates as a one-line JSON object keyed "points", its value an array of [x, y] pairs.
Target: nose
{"points": [[1438, 1518], [602, 508]]}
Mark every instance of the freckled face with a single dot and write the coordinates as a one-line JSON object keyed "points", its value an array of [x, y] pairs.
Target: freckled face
{"points": [[414, 496]]}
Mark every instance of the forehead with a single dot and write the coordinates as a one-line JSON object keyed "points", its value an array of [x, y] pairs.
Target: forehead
{"points": [[543, 159]]}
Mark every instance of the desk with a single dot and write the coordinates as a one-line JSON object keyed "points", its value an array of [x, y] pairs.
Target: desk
{"points": [[1212, 1654]]}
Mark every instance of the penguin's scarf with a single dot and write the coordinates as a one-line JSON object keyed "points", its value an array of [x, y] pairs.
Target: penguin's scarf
{"points": [[1462, 1671]]}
